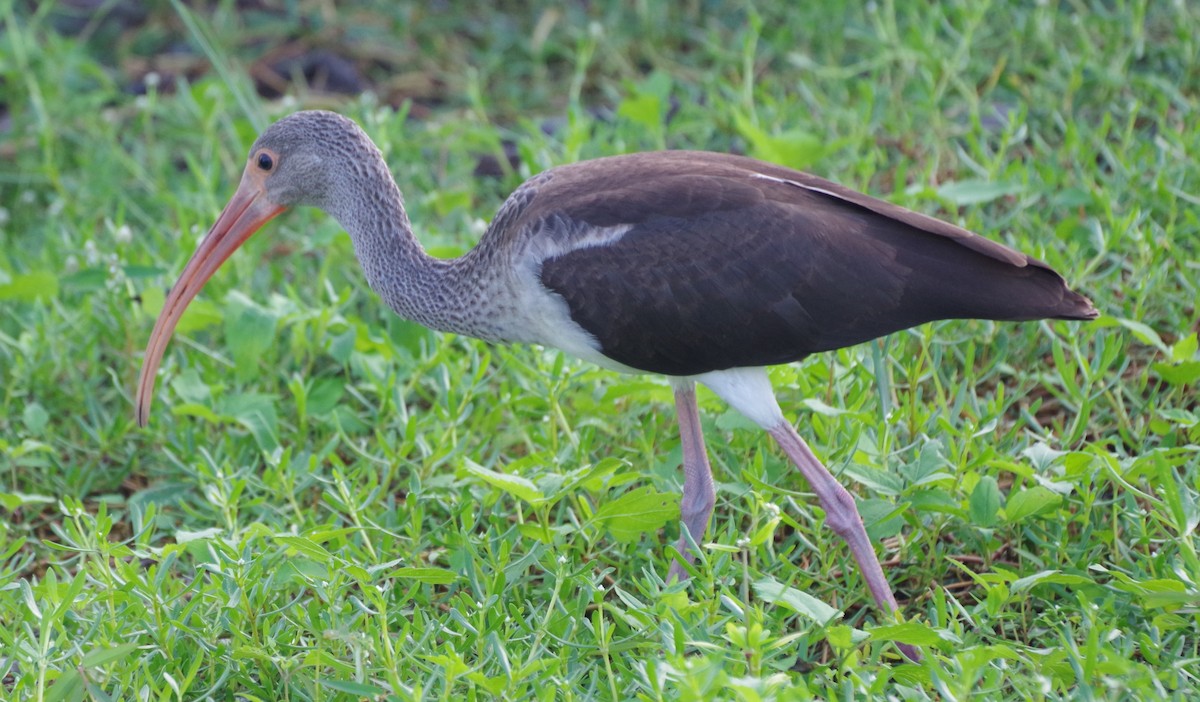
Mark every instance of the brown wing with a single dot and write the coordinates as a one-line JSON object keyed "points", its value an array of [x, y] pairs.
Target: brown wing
{"points": [[721, 268]]}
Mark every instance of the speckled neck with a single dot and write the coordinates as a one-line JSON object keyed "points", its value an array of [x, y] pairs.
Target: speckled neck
{"points": [[453, 295]]}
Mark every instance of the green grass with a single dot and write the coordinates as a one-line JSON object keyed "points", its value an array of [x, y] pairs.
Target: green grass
{"points": [[331, 503]]}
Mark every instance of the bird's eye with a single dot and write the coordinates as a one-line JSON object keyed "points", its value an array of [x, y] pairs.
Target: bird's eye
{"points": [[265, 162]]}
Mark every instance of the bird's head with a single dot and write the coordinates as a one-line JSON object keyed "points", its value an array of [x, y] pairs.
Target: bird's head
{"points": [[307, 158]]}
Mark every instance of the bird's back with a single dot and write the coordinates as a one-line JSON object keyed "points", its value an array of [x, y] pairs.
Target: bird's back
{"points": [[687, 262]]}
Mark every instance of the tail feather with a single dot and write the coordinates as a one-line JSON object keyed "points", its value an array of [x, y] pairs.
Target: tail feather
{"points": [[1076, 306], [953, 282]]}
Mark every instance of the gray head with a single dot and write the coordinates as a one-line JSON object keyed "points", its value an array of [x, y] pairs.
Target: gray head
{"points": [[314, 158], [308, 158]]}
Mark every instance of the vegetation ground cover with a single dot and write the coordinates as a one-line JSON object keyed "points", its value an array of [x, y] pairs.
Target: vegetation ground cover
{"points": [[332, 503]]}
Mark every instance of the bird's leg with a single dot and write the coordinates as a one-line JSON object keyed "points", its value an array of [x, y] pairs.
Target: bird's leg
{"points": [[842, 516], [698, 493]]}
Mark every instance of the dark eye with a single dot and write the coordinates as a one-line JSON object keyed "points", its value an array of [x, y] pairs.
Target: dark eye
{"points": [[265, 162]]}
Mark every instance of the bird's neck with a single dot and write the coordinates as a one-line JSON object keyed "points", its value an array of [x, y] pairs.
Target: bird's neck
{"points": [[447, 295]]}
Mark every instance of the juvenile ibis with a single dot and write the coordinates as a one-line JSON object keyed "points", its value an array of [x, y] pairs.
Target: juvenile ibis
{"points": [[702, 267]]}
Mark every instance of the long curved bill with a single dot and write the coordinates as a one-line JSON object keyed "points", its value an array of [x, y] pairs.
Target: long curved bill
{"points": [[247, 211]]}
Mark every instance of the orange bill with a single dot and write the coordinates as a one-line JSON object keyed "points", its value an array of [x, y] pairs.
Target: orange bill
{"points": [[248, 210]]}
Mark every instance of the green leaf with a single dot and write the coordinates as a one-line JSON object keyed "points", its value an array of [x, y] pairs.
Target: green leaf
{"points": [[85, 280], [102, 656], [985, 502], [1142, 332], [340, 345], [912, 633], [453, 667], [1042, 456], [930, 465], [351, 687], [637, 512], [1157, 592], [184, 536], [190, 388], [882, 518], [1070, 198], [974, 191], [731, 420], [191, 409], [324, 395], [647, 102], [13, 500], [794, 148], [68, 687], [1030, 502], [515, 485], [168, 492], [1185, 373], [1185, 348], [799, 602], [433, 576], [255, 412], [27, 287], [201, 313], [1049, 577], [306, 547], [35, 418], [138, 272], [816, 405], [843, 636], [249, 332], [644, 109]]}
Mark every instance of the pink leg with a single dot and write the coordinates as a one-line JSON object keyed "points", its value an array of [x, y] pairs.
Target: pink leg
{"points": [[842, 516], [699, 495]]}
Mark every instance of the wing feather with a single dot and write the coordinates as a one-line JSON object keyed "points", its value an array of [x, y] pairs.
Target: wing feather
{"points": [[722, 267]]}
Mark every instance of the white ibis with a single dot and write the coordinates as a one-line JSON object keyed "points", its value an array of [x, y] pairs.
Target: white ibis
{"points": [[702, 267]]}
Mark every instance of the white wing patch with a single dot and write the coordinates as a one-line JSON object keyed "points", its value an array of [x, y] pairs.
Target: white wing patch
{"points": [[541, 316]]}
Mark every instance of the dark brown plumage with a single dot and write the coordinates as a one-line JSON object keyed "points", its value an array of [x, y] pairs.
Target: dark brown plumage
{"points": [[730, 270]]}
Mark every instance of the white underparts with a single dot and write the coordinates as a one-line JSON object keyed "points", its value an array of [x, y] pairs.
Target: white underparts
{"points": [[539, 316], [747, 390]]}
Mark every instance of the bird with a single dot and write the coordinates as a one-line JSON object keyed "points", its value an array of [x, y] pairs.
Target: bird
{"points": [[706, 268]]}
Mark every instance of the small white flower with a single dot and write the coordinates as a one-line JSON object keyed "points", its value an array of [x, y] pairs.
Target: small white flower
{"points": [[772, 508], [115, 277], [123, 234], [562, 560], [71, 264], [743, 542], [90, 253], [28, 197], [56, 207], [152, 79]]}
